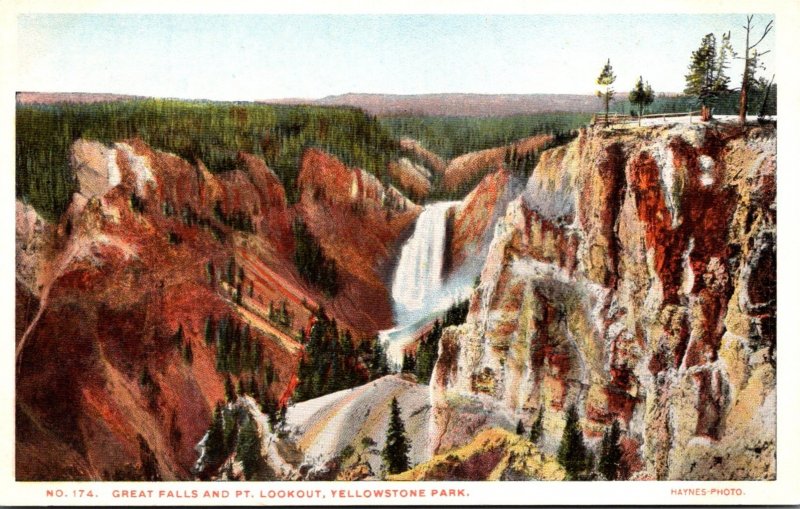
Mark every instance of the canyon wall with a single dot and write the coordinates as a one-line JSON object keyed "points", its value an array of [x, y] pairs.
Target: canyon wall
{"points": [[634, 278], [117, 372]]}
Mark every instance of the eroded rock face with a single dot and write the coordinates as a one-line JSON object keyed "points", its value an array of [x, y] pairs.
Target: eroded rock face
{"points": [[635, 278], [360, 223], [471, 223], [115, 367], [33, 235]]}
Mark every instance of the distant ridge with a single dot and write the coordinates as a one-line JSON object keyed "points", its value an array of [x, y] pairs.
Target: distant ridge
{"points": [[457, 104], [446, 104], [72, 97]]}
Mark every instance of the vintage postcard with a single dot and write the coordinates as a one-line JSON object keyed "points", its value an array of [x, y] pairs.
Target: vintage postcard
{"points": [[476, 255]]}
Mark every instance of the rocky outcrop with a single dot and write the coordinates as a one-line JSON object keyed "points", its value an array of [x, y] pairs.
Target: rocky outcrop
{"points": [[493, 455], [413, 179], [33, 248], [634, 278], [471, 224], [115, 375]]}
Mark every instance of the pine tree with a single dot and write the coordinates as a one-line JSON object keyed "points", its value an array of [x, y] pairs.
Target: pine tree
{"points": [[248, 448], [572, 452], [538, 426], [641, 95], [409, 364], [379, 366], [285, 318], [177, 338], [148, 461], [215, 442], [209, 330], [610, 453], [395, 452], [605, 80], [188, 355], [269, 373], [700, 80], [707, 79], [254, 390], [230, 394], [724, 52], [428, 353], [230, 429], [520, 428]]}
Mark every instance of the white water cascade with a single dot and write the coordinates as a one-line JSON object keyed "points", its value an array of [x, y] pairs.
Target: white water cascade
{"points": [[418, 290], [419, 271]]}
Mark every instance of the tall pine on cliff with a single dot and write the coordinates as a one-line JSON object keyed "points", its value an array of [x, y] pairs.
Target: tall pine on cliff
{"points": [[248, 448], [605, 80], [641, 95], [707, 79], [572, 452], [395, 452], [610, 453], [538, 426]]}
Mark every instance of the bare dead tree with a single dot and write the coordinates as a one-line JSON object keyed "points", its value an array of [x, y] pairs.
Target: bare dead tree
{"points": [[751, 55]]}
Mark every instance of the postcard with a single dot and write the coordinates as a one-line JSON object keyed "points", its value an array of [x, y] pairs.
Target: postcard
{"points": [[429, 255]]}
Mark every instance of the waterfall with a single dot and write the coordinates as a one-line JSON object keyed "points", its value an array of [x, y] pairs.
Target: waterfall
{"points": [[418, 290], [419, 271]]}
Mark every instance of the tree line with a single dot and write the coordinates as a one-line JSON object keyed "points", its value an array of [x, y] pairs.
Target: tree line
{"points": [[211, 132], [707, 80], [421, 362], [311, 261], [450, 137], [332, 361]]}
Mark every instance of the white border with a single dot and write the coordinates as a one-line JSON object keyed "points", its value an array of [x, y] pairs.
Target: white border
{"points": [[785, 490]]}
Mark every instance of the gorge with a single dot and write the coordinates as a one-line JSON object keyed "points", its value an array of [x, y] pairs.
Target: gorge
{"points": [[631, 275]]}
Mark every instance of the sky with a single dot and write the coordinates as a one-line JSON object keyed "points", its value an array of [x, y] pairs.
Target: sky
{"points": [[251, 57]]}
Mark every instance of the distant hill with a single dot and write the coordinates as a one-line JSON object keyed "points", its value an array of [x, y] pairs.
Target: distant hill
{"points": [[451, 104], [469, 105], [71, 97]]}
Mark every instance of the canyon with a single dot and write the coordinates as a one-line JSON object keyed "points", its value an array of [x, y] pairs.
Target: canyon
{"points": [[631, 275]]}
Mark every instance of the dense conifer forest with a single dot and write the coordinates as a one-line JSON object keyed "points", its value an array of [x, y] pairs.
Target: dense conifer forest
{"points": [[212, 132]]}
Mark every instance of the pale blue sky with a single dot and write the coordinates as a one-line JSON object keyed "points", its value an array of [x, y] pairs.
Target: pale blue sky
{"points": [[246, 57]]}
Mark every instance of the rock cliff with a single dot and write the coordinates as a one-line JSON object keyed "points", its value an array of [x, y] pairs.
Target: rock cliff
{"points": [[120, 359], [634, 278]]}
